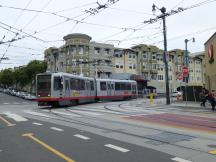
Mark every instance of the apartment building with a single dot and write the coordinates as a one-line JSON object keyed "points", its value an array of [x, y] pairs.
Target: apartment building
{"points": [[144, 63]]}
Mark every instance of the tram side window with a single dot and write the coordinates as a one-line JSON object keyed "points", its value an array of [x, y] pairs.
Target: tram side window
{"points": [[57, 83], [117, 86], [103, 86], [73, 84], [81, 84], [92, 85], [128, 86], [123, 86]]}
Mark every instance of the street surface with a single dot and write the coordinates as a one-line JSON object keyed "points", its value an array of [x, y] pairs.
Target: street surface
{"points": [[124, 131]]}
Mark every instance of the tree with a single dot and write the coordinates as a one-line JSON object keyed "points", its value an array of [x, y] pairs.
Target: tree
{"points": [[33, 68], [20, 78], [7, 78]]}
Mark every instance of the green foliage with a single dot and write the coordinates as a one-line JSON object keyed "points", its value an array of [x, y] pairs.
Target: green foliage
{"points": [[23, 76], [7, 78]]}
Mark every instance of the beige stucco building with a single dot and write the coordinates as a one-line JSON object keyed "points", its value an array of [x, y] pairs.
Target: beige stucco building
{"points": [[80, 55], [210, 72]]}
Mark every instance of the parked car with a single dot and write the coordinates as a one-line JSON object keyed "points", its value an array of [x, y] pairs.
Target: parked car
{"points": [[175, 94], [30, 97]]}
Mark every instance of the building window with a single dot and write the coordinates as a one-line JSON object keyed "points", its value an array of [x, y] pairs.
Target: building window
{"points": [[130, 66], [121, 66], [160, 77], [107, 51], [153, 56], [129, 56], [81, 50], [117, 66], [154, 76], [73, 49], [144, 56], [97, 50], [134, 66], [154, 66]]}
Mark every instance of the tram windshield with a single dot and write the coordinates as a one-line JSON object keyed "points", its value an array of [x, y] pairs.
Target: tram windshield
{"points": [[43, 84]]}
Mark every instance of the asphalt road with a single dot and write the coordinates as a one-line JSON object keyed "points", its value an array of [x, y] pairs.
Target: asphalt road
{"points": [[80, 146], [99, 132]]}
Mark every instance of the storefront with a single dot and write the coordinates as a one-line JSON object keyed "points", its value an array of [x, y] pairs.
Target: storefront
{"points": [[210, 61]]}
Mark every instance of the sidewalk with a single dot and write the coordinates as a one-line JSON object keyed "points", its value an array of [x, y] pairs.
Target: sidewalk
{"points": [[190, 104]]}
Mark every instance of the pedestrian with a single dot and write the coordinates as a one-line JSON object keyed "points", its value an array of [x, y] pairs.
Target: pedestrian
{"points": [[202, 97], [211, 99]]}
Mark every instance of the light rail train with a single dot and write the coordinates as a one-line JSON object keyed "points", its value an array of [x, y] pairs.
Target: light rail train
{"points": [[62, 89]]}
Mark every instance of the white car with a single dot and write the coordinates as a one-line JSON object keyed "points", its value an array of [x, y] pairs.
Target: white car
{"points": [[175, 94], [30, 97]]}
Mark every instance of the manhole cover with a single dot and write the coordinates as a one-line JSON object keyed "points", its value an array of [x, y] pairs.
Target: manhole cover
{"points": [[212, 146]]}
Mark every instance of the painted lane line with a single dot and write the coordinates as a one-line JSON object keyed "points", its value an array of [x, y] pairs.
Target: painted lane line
{"points": [[180, 159], [37, 123], [57, 129], [15, 117], [117, 148], [5, 103], [7, 122], [51, 149], [81, 136], [212, 152]]}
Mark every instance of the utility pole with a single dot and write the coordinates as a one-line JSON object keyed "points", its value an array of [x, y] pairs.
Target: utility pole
{"points": [[163, 16], [154, 20]]}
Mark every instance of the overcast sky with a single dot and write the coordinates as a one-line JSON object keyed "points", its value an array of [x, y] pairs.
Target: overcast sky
{"points": [[120, 24]]}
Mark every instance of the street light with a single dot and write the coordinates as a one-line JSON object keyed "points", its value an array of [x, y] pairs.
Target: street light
{"points": [[187, 64], [186, 50], [163, 17]]}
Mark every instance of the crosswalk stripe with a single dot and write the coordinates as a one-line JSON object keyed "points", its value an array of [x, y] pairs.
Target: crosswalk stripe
{"points": [[15, 117], [37, 114]]}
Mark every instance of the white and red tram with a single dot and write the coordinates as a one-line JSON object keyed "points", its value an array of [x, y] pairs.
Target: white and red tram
{"points": [[59, 89]]}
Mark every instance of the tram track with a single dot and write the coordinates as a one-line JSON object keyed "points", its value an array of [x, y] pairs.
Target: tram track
{"points": [[63, 118]]}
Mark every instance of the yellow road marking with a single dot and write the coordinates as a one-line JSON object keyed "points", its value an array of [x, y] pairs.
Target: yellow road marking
{"points": [[7, 122], [213, 152], [31, 136]]}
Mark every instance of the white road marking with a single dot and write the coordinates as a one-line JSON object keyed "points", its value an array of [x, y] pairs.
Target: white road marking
{"points": [[6, 103], [84, 112], [57, 129], [116, 148], [81, 136], [16, 103], [37, 123], [180, 159], [37, 114], [15, 117]]}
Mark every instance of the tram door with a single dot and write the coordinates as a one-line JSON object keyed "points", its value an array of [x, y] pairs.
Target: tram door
{"points": [[67, 87], [88, 88], [110, 89]]}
